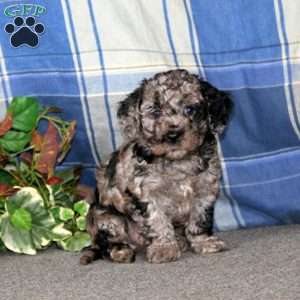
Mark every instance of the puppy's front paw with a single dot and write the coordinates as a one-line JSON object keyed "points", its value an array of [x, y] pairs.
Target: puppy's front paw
{"points": [[161, 253], [122, 254], [90, 254], [210, 244]]}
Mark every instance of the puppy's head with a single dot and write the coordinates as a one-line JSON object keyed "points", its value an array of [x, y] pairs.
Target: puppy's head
{"points": [[172, 112]]}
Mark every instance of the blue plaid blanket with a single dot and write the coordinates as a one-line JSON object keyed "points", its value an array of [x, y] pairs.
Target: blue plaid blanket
{"points": [[86, 55]]}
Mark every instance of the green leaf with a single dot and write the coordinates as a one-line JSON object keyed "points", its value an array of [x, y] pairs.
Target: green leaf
{"points": [[11, 207], [14, 239], [2, 246], [62, 213], [2, 208], [25, 111], [75, 243], [60, 233], [81, 223], [42, 223], [55, 213], [66, 214], [14, 141], [81, 207], [7, 178], [64, 196], [21, 219]]}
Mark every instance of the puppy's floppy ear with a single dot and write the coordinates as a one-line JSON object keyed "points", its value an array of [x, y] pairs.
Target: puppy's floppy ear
{"points": [[219, 107], [128, 113]]}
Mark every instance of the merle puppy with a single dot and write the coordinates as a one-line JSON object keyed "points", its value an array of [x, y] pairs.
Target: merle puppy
{"points": [[157, 191]]}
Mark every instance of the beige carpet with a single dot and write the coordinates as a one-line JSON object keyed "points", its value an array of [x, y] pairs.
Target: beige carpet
{"points": [[262, 264]]}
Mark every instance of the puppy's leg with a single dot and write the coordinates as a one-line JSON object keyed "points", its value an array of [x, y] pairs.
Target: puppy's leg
{"points": [[99, 249], [181, 239], [199, 231], [108, 232], [160, 231]]}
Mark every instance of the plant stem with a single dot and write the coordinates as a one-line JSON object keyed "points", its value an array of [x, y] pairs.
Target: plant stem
{"points": [[24, 150], [54, 120], [19, 179], [40, 189]]}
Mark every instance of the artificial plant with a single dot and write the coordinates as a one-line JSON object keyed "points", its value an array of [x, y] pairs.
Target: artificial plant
{"points": [[39, 203]]}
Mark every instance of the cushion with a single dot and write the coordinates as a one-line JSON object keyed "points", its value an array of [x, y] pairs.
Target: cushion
{"points": [[86, 55]]}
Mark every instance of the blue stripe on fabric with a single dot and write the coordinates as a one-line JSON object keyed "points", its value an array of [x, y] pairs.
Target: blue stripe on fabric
{"points": [[227, 28], [268, 196], [5, 92], [34, 64], [233, 207], [105, 82], [223, 215], [38, 84], [215, 227], [263, 170], [289, 68], [83, 83], [248, 75], [260, 123], [260, 155], [168, 28], [190, 27]]}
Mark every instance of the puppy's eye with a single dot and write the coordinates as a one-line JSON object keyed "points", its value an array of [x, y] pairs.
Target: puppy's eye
{"points": [[189, 111]]}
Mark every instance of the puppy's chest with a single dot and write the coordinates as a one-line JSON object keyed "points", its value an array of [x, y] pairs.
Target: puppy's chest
{"points": [[170, 179], [172, 186]]}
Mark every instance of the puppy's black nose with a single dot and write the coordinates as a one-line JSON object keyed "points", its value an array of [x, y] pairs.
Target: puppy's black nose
{"points": [[173, 136]]}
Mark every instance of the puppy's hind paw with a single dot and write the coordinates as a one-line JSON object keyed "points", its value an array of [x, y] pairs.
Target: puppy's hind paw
{"points": [[211, 244], [89, 254], [122, 254], [161, 253], [85, 260]]}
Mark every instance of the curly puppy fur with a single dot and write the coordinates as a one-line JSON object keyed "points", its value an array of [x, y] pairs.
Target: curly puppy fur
{"points": [[157, 191]]}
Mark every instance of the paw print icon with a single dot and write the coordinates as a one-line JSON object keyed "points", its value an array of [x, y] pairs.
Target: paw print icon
{"points": [[24, 31]]}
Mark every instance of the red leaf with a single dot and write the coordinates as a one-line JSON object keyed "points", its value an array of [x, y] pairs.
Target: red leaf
{"points": [[6, 190], [54, 180], [37, 141], [26, 157], [6, 124], [49, 150]]}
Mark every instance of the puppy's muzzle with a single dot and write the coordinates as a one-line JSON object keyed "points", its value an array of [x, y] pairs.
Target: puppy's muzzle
{"points": [[173, 136]]}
